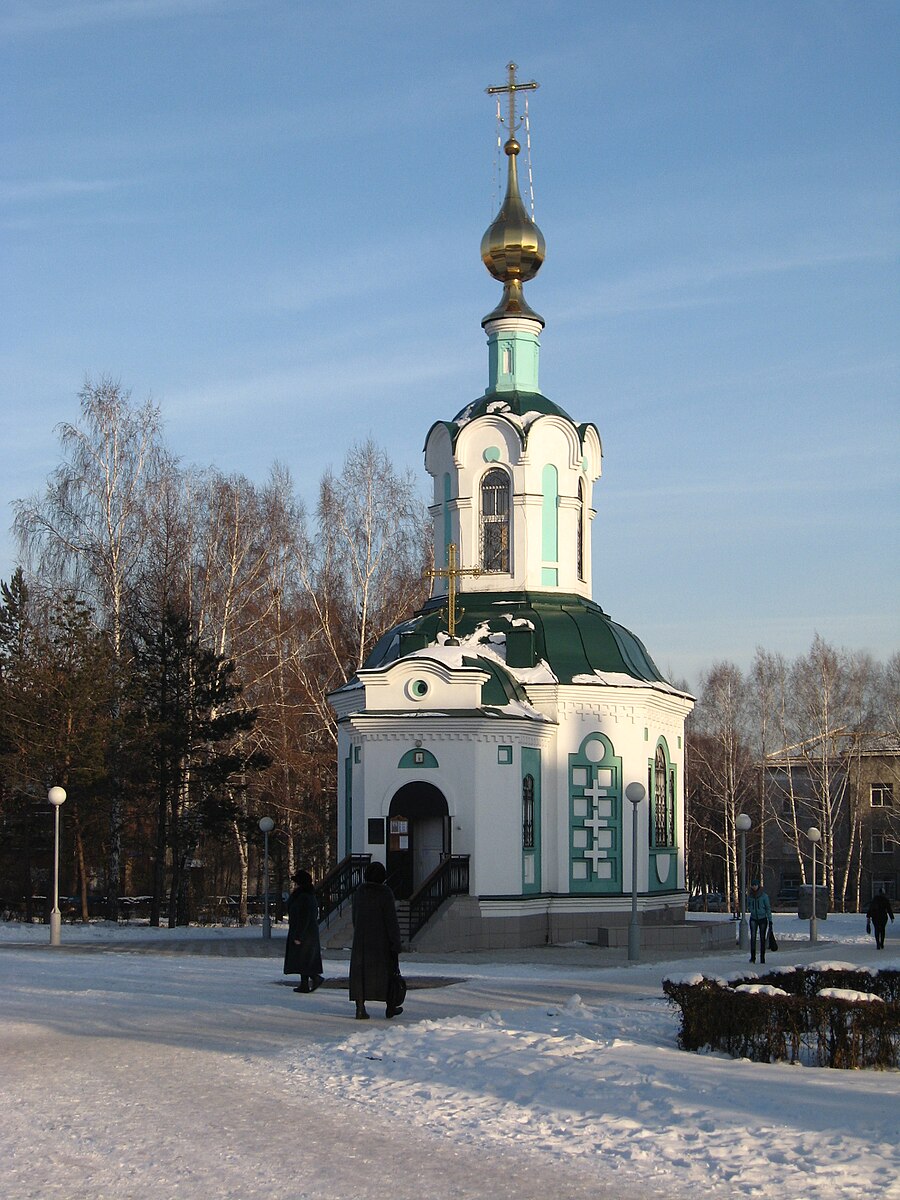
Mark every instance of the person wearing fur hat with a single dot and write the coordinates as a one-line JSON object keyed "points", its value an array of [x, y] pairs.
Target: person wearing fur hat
{"points": [[302, 951], [374, 955], [760, 911]]}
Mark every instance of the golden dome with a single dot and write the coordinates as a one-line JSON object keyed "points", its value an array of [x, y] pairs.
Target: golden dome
{"points": [[513, 246]]}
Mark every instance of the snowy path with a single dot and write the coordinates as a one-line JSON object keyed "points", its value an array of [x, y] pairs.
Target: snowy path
{"points": [[139, 1074]]}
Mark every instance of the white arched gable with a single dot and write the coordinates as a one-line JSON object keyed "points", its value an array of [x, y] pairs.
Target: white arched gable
{"points": [[592, 453], [477, 442], [554, 439], [438, 450]]}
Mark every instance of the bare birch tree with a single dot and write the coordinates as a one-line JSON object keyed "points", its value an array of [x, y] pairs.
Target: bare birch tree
{"points": [[89, 529]]}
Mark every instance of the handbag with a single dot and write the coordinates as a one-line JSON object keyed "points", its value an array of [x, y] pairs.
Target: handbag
{"points": [[773, 945], [396, 991]]}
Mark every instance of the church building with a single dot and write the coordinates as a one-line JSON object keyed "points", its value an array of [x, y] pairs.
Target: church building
{"points": [[486, 746]]}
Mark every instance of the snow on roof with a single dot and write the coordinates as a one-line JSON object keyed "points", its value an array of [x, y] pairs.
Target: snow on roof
{"points": [[483, 642], [619, 679]]}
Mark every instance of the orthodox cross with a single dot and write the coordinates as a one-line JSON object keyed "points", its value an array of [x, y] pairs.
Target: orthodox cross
{"points": [[512, 87], [451, 573]]}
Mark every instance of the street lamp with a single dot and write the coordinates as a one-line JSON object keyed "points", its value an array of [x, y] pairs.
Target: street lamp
{"points": [[742, 824], [814, 836], [266, 824], [56, 796], [635, 792]]}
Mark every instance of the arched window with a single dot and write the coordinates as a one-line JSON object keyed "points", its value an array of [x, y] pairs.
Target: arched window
{"points": [[528, 812], [579, 544], [663, 800], [495, 522]]}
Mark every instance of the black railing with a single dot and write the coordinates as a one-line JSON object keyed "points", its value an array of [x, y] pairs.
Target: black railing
{"points": [[451, 878], [340, 883]]}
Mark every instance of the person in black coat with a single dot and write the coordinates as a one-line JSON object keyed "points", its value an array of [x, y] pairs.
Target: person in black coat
{"points": [[877, 914], [302, 951], [374, 956]]}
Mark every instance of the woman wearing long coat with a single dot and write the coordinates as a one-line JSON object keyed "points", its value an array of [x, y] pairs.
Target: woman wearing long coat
{"points": [[877, 914], [302, 951], [376, 941]]}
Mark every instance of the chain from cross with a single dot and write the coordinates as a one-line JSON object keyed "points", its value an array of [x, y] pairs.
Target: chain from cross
{"points": [[512, 87], [451, 573]]}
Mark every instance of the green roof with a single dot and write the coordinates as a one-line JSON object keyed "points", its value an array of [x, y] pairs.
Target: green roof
{"points": [[510, 405], [519, 403], [572, 635]]}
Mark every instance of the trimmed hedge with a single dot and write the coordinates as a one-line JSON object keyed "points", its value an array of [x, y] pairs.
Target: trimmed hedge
{"points": [[799, 1027]]}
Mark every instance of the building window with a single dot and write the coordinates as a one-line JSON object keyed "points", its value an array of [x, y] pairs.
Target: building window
{"points": [[504, 755], [528, 812], [579, 536], [495, 522], [881, 795], [882, 843], [883, 885], [663, 784]]}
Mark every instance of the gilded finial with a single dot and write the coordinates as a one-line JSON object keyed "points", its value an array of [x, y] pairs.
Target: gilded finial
{"points": [[513, 247]]}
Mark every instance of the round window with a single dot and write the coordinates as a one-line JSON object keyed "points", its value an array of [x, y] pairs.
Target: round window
{"points": [[418, 688]]}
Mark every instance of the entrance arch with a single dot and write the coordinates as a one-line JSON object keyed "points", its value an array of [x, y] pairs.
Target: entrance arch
{"points": [[418, 836]]}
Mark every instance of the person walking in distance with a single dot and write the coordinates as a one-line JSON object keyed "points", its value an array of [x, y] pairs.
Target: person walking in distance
{"points": [[374, 955], [302, 951], [760, 911], [877, 915]]}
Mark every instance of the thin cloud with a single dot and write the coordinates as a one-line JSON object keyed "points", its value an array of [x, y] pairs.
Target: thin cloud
{"points": [[55, 16], [37, 190], [683, 284]]}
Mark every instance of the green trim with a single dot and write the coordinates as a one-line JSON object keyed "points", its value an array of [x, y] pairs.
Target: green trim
{"points": [[504, 756], [658, 853], [448, 523], [595, 850], [549, 516], [549, 576], [348, 805], [531, 765], [417, 760]]}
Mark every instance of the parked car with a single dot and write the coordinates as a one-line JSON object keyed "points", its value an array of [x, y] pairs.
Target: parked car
{"points": [[707, 902]]}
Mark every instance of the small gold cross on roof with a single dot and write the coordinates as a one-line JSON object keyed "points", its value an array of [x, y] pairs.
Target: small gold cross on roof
{"points": [[511, 87], [451, 573]]}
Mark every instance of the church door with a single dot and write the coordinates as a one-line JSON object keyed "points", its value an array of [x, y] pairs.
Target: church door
{"points": [[418, 836]]}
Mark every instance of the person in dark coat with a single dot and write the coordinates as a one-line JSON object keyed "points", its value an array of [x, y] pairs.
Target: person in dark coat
{"points": [[374, 956], [877, 914], [760, 910], [302, 951]]}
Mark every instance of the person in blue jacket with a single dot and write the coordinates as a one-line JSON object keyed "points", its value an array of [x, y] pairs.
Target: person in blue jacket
{"points": [[760, 911]]}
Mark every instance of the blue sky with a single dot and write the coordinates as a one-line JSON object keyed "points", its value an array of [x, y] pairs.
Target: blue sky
{"points": [[267, 213]]}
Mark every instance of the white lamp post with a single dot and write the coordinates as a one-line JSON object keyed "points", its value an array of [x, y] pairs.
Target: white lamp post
{"points": [[742, 824], [56, 796], [635, 792], [266, 824], [814, 836]]}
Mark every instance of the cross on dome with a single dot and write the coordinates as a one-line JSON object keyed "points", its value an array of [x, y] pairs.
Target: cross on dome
{"points": [[511, 87], [513, 247]]}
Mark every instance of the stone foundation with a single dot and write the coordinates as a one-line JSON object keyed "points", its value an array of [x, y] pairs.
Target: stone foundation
{"points": [[466, 923]]}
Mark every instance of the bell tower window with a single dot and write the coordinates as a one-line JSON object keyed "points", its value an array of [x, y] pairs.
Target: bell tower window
{"points": [[528, 812], [579, 543], [495, 522]]}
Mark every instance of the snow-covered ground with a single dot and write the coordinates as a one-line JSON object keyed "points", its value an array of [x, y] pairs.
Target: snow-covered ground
{"points": [[146, 1063]]}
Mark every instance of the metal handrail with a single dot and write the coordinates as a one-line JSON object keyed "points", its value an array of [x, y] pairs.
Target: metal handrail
{"points": [[450, 878], [340, 883]]}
